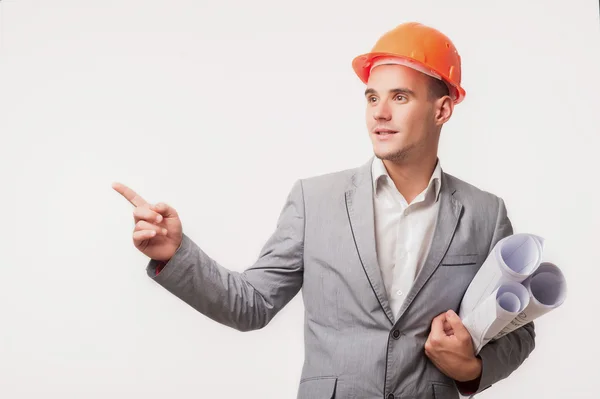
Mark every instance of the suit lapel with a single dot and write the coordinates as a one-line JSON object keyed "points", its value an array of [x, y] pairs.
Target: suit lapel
{"points": [[448, 216], [359, 204]]}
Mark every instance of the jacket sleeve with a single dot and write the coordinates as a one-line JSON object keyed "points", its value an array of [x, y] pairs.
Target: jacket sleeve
{"points": [[503, 356], [250, 299]]}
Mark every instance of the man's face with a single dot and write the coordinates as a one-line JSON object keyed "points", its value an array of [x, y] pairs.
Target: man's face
{"points": [[401, 115]]}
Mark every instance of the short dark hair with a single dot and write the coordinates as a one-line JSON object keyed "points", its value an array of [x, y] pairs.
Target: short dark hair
{"points": [[437, 89]]}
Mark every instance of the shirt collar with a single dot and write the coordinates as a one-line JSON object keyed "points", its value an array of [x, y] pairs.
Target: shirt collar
{"points": [[379, 174]]}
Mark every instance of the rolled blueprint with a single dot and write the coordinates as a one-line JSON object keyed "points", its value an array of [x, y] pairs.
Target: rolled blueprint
{"points": [[495, 312], [547, 289], [513, 259]]}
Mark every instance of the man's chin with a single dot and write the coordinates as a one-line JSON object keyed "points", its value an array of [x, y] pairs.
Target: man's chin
{"points": [[395, 156]]}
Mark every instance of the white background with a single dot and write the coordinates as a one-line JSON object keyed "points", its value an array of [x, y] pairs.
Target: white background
{"points": [[217, 108]]}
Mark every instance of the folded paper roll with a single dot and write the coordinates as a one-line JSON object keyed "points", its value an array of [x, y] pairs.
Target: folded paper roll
{"points": [[495, 312], [547, 289], [513, 259]]}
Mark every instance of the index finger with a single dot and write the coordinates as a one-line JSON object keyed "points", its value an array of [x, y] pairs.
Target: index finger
{"points": [[129, 194], [448, 328]]}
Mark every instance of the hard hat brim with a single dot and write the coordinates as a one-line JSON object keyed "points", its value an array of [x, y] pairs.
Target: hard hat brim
{"points": [[362, 67]]}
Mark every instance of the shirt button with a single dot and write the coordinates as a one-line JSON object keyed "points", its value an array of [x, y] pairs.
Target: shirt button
{"points": [[390, 396], [399, 292], [396, 334]]}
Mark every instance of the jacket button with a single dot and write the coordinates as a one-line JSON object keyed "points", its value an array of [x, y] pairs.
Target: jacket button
{"points": [[390, 396], [396, 335]]}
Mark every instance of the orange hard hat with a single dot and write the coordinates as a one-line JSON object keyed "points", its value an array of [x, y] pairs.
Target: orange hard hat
{"points": [[417, 46]]}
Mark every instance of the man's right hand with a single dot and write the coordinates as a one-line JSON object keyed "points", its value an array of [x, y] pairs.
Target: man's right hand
{"points": [[158, 231]]}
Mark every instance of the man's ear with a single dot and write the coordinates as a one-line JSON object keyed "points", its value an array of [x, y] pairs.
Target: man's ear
{"points": [[443, 110]]}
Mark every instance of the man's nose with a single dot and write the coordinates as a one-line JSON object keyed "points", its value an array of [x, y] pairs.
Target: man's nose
{"points": [[382, 112]]}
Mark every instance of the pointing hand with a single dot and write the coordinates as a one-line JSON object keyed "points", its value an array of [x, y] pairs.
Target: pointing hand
{"points": [[158, 230]]}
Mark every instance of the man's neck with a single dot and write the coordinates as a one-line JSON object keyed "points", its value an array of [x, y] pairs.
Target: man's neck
{"points": [[411, 178]]}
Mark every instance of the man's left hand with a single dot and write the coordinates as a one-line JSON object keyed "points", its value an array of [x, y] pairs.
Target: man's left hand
{"points": [[450, 348]]}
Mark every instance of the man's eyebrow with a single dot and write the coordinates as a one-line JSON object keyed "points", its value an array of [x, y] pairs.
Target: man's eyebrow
{"points": [[403, 90], [399, 90]]}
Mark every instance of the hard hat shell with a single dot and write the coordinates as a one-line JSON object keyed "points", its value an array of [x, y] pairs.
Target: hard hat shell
{"points": [[421, 47]]}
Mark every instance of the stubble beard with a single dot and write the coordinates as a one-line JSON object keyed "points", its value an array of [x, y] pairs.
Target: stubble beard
{"points": [[399, 155]]}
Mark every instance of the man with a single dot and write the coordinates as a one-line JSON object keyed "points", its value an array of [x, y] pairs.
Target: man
{"points": [[383, 252]]}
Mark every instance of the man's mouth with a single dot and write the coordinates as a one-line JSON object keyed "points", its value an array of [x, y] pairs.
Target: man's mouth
{"points": [[384, 132]]}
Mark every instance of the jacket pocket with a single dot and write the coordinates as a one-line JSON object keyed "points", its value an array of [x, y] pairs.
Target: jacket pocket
{"points": [[444, 391], [317, 388], [460, 260]]}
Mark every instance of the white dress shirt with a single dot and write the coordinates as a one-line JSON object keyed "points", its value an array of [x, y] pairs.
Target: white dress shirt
{"points": [[403, 232]]}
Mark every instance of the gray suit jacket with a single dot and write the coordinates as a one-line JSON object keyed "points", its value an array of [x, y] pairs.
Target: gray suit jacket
{"points": [[324, 244]]}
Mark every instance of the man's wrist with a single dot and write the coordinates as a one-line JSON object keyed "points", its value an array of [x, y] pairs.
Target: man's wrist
{"points": [[478, 368], [469, 387], [475, 369]]}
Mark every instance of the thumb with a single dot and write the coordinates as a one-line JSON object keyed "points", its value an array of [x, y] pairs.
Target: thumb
{"points": [[164, 210], [456, 323]]}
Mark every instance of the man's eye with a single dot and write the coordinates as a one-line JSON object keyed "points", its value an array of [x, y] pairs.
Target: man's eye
{"points": [[372, 99], [400, 97]]}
